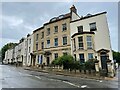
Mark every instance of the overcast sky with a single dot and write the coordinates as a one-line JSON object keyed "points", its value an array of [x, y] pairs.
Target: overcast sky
{"points": [[20, 18]]}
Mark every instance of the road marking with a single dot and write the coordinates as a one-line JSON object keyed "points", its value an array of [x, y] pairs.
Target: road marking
{"points": [[100, 81], [37, 77], [11, 87], [70, 83], [83, 86], [20, 73]]}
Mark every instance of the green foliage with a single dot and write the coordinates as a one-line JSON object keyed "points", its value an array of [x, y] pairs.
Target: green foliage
{"points": [[65, 60], [116, 56], [5, 48], [90, 64]]}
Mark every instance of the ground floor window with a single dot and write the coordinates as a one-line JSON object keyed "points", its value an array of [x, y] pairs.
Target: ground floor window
{"points": [[56, 55], [81, 57], [75, 56], [90, 56], [65, 53]]}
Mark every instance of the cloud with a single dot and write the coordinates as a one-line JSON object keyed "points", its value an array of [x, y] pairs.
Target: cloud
{"points": [[6, 40], [12, 20]]}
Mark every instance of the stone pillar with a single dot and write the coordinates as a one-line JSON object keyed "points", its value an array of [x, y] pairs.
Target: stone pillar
{"points": [[97, 67], [110, 70]]}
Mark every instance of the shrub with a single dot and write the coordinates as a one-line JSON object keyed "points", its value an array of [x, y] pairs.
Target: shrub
{"points": [[90, 64], [65, 60]]}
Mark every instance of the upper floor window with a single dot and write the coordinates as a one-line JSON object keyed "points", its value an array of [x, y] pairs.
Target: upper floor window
{"points": [[93, 26], [48, 31], [42, 45], [42, 34], [80, 29], [56, 29], [90, 56], [64, 26], [56, 55], [80, 42], [29, 41], [48, 43], [37, 37], [55, 41], [65, 40], [36, 46], [29, 49], [74, 44], [89, 42]]}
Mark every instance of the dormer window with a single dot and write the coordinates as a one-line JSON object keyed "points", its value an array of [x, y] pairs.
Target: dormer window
{"points": [[61, 16], [53, 19], [93, 26]]}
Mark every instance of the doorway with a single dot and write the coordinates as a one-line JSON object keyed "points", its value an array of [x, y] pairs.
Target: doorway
{"points": [[48, 61], [103, 57]]}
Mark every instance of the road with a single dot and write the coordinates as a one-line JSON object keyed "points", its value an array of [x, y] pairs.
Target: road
{"points": [[13, 77]]}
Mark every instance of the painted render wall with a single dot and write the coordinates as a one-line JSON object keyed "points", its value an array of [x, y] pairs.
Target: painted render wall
{"points": [[29, 58], [102, 38]]}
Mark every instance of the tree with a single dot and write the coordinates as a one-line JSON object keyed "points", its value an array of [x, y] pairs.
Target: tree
{"points": [[5, 48], [116, 56]]}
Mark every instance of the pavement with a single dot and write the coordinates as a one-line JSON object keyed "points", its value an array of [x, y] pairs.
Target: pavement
{"points": [[81, 75], [18, 77]]}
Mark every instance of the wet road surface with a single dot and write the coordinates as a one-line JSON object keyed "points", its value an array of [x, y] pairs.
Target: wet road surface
{"points": [[13, 77]]}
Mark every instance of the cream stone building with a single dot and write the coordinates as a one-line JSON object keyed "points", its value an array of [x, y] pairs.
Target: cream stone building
{"points": [[84, 37], [53, 39]]}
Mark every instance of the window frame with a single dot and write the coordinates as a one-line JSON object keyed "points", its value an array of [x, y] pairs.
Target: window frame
{"points": [[37, 36], [48, 45], [80, 29], [42, 45], [64, 27], [82, 60], [55, 55], [48, 31], [55, 30], [55, 43], [64, 43], [93, 26], [90, 56], [42, 36], [80, 42], [89, 41], [36, 46]]}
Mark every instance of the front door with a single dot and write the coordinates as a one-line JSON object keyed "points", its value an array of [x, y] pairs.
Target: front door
{"points": [[34, 61], [48, 61], [104, 61]]}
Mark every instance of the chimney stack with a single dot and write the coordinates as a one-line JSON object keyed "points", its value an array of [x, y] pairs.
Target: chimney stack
{"points": [[73, 9]]}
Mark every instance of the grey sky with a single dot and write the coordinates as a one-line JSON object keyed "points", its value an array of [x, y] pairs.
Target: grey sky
{"points": [[20, 18]]}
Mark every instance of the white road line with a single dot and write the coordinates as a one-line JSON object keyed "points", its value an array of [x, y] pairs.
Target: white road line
{"points": [[20, 73], [37, 77], [100, 81], [83, 86], [70, 83], [11, 87]]}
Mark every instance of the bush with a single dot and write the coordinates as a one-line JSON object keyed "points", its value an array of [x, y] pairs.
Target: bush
{"points": [[65, 60], [90, 64]]}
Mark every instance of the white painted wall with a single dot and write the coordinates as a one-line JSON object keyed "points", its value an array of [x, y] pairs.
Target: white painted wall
{"points": [[102, 38], [25, 52], [29, 62], [74, 16]]}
